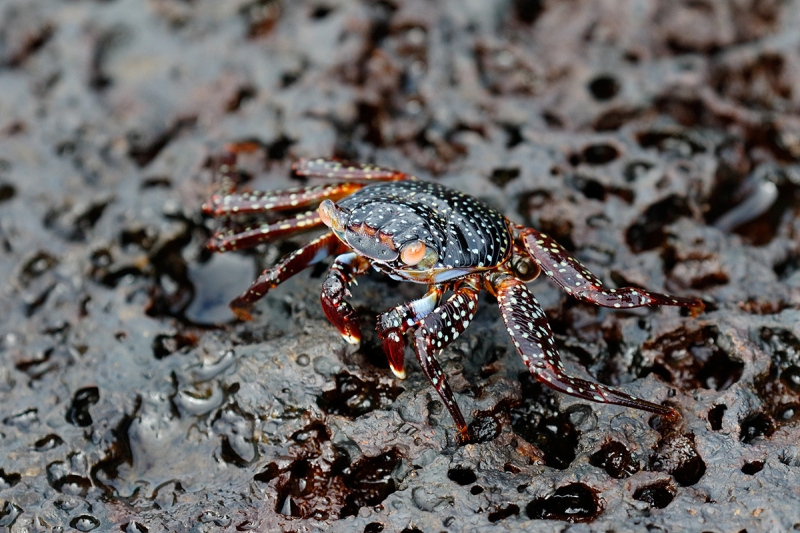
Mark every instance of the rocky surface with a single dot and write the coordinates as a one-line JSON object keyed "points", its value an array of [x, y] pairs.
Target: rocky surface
{"points": [[657, 140]]}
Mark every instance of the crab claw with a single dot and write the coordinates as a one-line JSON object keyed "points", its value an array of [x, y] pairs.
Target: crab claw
{"points": [[394, 348], [339, 312], [343, 319]]}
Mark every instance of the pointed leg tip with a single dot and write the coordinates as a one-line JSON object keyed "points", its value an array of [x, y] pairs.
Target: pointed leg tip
{"points": [[399, 373], [350, 331], [697, 308], [241, 312], [351, 339], [464, 437]]}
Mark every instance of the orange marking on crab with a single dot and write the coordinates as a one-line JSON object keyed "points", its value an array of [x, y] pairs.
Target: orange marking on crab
{"points": [[387, 240], [413, 253]]}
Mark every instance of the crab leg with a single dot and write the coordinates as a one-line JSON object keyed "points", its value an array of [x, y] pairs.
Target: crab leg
{"points": [[576, 279], [310, 254], [231, 239], [436, 331], [526, 322], [346, 170], [334, 290], [256, 202], [225, 176], [394, 323]]}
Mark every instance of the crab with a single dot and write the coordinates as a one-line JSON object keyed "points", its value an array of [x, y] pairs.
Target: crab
{"points": [[422, 232]]}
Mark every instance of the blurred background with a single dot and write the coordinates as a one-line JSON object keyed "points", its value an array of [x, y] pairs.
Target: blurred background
{"points": [[657, 140]]}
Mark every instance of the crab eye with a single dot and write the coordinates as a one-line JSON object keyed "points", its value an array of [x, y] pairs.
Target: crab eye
{"points": [[325, 209], [413, 253]]}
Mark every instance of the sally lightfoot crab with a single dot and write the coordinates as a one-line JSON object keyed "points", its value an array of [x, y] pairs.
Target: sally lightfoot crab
{"points": [[422, 232]]}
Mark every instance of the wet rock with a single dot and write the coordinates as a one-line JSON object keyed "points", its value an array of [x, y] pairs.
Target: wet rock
{"points": [[660, 154]]}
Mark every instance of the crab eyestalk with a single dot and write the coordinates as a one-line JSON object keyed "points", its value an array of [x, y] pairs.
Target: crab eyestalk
{"points": [[331, 215]]}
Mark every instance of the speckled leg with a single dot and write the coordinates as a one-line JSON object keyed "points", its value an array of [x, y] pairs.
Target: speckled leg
{"points": [[225, 174], [393, 324], [436, 331], [526, 322], [342, 273], [310, 254], [249, 203], [237, 238], [346, 170], [576, 279]]}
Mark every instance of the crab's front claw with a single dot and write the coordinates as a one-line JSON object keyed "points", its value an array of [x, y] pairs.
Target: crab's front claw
{"points": [[339, 312], [394, 347], [343, 318]]}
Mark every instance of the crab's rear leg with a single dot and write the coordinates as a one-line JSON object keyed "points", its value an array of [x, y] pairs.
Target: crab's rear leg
{"points": [[226, 203], [226, 174], [573, 277], [393, 324], [346, 170], [249, 203], [237, 238], [436, 331], [342, 273], [310, 254], [527, 324]]}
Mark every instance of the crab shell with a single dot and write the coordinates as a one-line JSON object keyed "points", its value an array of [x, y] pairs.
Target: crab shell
{"points": [[461, 235]]}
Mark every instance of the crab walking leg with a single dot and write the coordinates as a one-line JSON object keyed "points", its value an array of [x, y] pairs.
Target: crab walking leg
{"points": [[346, 170], [342, 273], [436, 331], [526, 322], [256, 202], [576, 279], [225, 176], [231, 239], [394, 323], [310, 254]]}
